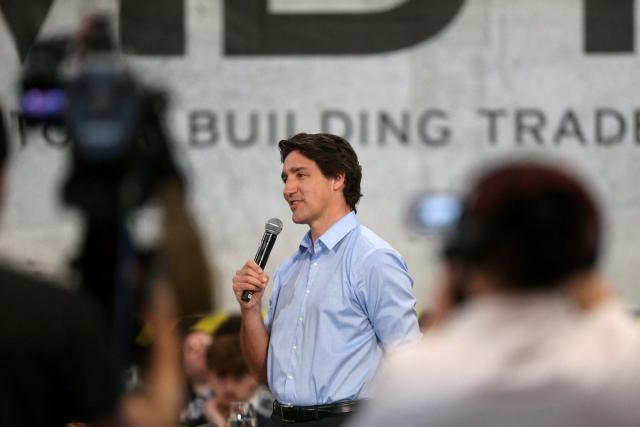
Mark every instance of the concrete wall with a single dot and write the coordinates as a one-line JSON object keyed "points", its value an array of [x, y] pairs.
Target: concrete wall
{"points": [[501, 78]]}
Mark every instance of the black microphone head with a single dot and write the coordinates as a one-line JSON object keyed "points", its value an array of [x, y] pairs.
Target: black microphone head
{"points": [[274, 225]]}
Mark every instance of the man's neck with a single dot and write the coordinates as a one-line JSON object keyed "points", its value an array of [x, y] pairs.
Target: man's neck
{"points": [[320, 227]]}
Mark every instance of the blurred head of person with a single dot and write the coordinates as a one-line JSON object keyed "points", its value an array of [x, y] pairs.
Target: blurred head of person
{"points": [[526, 227], [230, 378], [194, 354]]}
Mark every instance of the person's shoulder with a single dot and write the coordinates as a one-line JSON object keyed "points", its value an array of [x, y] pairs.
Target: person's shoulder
{"points": [[368, 243], [24, 284], [369, 249], [368, 238], [612, 324], [47, 299]]}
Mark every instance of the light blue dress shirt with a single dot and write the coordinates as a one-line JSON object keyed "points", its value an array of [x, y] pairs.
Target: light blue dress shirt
{"points": [[336, 306]]}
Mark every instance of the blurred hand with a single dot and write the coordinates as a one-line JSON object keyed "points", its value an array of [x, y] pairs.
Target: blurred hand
{"points": [[160, 402]]}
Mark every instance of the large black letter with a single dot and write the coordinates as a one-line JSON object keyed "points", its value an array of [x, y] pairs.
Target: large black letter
{"points": [[530, 121], [341, 115], [493, 116], [618, 125], [608, 26], [569, 127], [24, 19], [251, 30], [203, 128], [386, 123], [250, 139], [152, 27], [443, 134]]}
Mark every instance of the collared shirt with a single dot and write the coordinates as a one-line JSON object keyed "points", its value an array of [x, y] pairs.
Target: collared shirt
{"points": [[337, 304]]}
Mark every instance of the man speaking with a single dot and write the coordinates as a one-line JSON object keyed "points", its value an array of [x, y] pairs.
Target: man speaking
{"points": [[341, 300]]}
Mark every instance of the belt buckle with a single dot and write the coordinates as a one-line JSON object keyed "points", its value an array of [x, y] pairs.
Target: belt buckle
{"points": [[281, 412]]}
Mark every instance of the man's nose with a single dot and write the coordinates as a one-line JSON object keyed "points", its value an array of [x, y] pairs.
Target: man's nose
{"points": [[289, 188]]}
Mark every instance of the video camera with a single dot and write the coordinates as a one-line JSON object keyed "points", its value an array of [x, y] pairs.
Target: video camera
{"points": [[120, 150]]}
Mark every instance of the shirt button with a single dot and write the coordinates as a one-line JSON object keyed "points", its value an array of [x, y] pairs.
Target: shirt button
{"points": [[294, 347], [308, 291], [315, 263], [300, 319], [290, 377]]}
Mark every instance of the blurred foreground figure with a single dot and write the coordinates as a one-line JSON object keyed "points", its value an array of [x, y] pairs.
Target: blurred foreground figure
{"points": [[56, 365], [56, 356], [527, 333]]}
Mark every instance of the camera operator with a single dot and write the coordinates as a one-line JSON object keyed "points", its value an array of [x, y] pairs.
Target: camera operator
{"points": [[57, 357], [120, 159]]}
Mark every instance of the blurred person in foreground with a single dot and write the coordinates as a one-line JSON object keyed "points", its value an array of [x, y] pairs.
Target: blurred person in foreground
{"points": [[528, 333], [338, 303], [56, 353], [55, 357]]}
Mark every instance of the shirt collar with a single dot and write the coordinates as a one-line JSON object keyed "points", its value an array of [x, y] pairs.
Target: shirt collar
{"points": [[334, 234]]}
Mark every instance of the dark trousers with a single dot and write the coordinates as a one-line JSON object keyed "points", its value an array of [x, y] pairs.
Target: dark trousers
{"points": [[334, 421]]}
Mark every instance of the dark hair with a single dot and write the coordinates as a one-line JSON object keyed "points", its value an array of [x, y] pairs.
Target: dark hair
{"points": [[4, 140], [224, 357], [531, 224], [230, 326], [333, 155]]}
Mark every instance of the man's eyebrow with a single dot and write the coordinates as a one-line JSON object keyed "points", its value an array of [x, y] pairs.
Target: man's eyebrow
{"points": [[294, 170]]}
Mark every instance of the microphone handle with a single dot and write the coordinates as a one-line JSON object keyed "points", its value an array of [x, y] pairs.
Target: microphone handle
{"points": [[262, 255]]}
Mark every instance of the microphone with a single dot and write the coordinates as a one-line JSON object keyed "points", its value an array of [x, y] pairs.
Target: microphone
{"points": [[272, 228]]}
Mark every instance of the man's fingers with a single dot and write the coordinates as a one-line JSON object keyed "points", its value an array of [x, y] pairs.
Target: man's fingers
{"points": [[251, 280], [248, 287], [252, 266]]}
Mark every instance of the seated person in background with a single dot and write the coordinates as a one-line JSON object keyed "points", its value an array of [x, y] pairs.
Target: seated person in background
{"points": [[527, 333], [194, 352], [230, 378]]}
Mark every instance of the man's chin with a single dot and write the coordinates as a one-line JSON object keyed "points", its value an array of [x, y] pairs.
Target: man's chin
{"points": [[297, 219]]}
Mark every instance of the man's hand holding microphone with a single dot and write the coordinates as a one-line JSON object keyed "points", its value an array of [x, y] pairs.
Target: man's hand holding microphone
{"points": [[250, 281]]}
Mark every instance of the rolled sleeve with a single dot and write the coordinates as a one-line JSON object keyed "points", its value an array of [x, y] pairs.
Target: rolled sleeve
{"points": [[386, 292]]}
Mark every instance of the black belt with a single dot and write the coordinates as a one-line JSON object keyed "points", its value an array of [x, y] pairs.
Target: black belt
{"points": [[298, 414]]}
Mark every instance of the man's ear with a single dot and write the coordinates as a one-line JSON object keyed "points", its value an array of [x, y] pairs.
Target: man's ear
{"points": [[339, 182]]}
